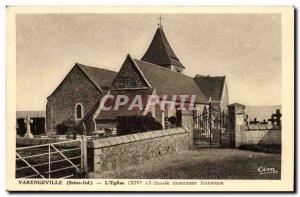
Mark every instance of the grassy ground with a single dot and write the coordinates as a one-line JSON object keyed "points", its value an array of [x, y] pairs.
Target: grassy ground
{"points": [[203, 164]]}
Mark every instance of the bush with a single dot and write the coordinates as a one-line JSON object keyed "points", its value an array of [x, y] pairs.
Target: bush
{"points": [[62, 129], [67, 127], [21, 129], [172, 120], [137, 124]]}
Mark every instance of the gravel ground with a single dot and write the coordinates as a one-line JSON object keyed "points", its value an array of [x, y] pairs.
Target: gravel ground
{"points": [[203, 164]]}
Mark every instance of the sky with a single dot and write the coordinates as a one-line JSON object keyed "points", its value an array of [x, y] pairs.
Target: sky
{"points": [[246, 48]]}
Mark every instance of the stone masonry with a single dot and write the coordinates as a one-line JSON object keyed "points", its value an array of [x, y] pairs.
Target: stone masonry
{"points": [[236, 114], [187, 124], [129, 77], [267, 137], [123, 151]]}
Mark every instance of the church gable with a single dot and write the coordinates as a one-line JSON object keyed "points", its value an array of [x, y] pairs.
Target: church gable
{"points": [[73, 82], [76, 89], [130, 77], [224, 97], [212, 87]]}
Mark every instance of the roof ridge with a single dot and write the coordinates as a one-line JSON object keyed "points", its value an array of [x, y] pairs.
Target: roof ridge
{"points": [[79, 64], [162, 68], [222, 89], [209, 76], [165, 80]]}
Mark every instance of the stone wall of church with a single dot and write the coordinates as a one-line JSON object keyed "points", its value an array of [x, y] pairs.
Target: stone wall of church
{"points": [[76, 88], [129, 77]]}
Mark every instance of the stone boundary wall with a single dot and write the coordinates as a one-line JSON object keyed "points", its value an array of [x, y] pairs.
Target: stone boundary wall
{"points": [[123, 151], [266, 137], [252, 127]]}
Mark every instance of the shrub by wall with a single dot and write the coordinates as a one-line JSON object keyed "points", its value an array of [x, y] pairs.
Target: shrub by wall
{"points": [[136, 124]]}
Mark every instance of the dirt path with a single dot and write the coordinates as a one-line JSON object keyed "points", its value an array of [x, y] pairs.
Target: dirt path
{"points": [[203, 164]]}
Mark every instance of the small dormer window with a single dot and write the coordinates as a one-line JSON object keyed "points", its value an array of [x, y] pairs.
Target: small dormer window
{"points": [[176, 69], [173, 68], [78, 111]]}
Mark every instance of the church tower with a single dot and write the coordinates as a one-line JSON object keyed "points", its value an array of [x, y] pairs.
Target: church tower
{"points": [[161, 53]]}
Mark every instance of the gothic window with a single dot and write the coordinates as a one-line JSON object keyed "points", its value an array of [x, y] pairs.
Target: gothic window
{"points": [[78, 111]]}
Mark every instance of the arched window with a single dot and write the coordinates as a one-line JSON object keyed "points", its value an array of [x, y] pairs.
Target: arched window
{"points": [[78, 111]]}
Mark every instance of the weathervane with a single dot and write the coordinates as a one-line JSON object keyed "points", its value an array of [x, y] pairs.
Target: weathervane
{"points": [[160, 18]]}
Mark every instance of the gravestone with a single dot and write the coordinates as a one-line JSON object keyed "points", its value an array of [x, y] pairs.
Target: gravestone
{"points": [[276, 119], [264, 122], [254, 121], [27, 121]]}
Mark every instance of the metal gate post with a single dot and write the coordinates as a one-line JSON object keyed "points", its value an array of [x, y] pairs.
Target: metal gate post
{"points": [[49, 160], [221, 118], [210, 124]]}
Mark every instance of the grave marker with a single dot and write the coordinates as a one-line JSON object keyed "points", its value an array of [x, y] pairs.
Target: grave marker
{"points": [[27, 121]]}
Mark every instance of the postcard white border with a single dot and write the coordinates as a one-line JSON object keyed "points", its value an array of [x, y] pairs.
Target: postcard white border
{"points": [[287, 172]]}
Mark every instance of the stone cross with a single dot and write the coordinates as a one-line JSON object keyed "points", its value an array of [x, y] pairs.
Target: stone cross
{"points": [[254, 121], [160, 18], [278, 116], [275, 118], [264, 122], [247, 119], [27, 121]]}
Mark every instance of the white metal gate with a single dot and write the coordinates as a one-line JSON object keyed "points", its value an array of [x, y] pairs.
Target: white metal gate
{"points": [[55, 160]]}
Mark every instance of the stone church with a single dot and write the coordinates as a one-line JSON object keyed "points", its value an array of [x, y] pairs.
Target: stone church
{"points": [[77, 98]]}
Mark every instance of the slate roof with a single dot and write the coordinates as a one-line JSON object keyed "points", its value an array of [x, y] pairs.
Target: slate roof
{"points": [[123, 110], [160, 51], [211, 86], [167, 82], [101, 78]]}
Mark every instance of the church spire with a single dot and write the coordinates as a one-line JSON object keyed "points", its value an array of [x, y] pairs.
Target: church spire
{"points": [[161, 53]]}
